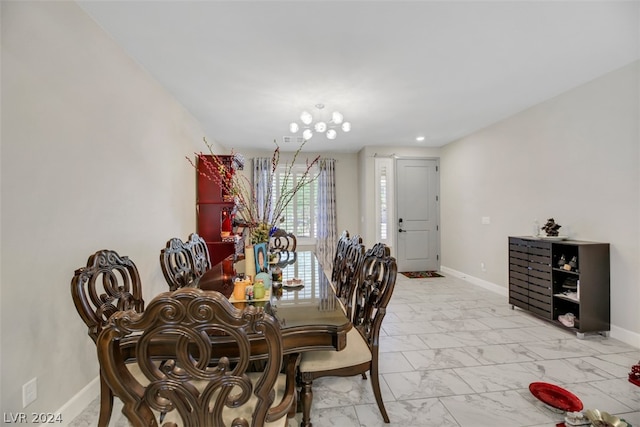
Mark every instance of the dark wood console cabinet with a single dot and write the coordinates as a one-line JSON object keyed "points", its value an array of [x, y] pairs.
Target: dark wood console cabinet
{"points": [[550, 278]]}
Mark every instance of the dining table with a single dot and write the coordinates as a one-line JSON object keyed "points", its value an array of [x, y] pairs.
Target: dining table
{"points": [[304, 303]]}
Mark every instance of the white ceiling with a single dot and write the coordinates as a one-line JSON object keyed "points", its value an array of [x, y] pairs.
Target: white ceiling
{"points": [[395, 69]]}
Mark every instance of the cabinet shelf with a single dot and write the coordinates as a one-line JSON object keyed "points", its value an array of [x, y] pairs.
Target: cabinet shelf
{"points": [[562, 270], [537, 286], [566, 298]]}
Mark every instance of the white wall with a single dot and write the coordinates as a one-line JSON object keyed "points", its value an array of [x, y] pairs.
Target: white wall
{"points": [[574, 158], [92, 158]]}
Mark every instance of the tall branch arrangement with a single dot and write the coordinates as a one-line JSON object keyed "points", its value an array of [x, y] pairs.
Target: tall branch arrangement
{"points": [[261, 216]]}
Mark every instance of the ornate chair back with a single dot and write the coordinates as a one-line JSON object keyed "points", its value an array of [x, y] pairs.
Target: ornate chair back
{"points": [[183, 262], [109, 283], [280, 240], [338, 258], [350, 271], [205, 345], [373, 293], [177, 264], [199, 254]]}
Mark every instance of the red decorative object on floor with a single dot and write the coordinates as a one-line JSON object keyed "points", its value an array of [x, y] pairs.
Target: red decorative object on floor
{"points": [[556, 397], [634, 375]]}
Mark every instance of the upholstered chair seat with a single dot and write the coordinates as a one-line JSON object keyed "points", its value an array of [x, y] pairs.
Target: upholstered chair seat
{"points": [[355, 353]]}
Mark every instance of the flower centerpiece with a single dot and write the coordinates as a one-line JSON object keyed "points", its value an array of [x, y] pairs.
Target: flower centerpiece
{"points": [[260, 214]]}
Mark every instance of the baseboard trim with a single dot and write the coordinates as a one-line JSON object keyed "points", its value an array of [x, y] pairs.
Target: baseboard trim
{"points": [[80, 401], [476, 281], [626, 336], [621, 334]]}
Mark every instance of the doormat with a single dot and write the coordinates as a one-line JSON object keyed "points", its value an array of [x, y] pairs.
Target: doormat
{"points": [[421, 274]]}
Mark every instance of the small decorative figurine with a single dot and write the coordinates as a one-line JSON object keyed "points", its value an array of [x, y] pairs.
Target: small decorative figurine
{"points": [[551, 228], [562, 261]]}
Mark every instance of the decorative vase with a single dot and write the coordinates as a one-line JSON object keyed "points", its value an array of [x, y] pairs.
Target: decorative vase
{"points": [[266, 279], [249, 262]]}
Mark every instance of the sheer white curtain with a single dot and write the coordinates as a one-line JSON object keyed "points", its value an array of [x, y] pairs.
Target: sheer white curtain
{"points": [[327, 230], [261, 171]]}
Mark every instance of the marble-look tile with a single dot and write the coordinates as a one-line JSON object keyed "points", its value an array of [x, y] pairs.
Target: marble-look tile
{"points": [[605, 365], [393, 362], [594, 398], [565, 371], [418, 412], [424, 384], [451, 340], [467, 313], [441, 358], [506, 408], [501, 310], [546, 331], [609, 345], [409, 328], [330, 417], [505, 336], [418, 306], [623, 359], [395, 343], [331, 392], [501, 353], [621, 390], [426, 315], [508, 376], [458, 325], [559, 349], [507, 322]]}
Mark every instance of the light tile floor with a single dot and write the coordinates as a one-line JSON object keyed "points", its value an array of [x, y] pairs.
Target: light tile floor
{"points": [[455, 355]]}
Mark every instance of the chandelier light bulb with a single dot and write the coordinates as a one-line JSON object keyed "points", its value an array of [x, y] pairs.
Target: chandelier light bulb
{"points": [[346, 126], [307, 134], [337, 118], [320, 127], [306, 117], [293, 127], [331, 134]]}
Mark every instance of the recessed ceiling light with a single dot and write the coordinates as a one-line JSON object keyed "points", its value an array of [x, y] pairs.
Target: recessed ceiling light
{"points": [[420, 138]]}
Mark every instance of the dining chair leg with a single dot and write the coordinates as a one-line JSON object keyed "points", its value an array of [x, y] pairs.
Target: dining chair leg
{"points": [[106, 403], [306, 396], [375, 384]]}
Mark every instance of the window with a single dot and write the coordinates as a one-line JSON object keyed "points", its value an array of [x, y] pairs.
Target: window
{"points": [[384, 195], [300, 215]]}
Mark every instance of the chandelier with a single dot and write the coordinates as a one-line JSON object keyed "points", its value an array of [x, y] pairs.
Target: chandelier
{"points": [[320, 126]]}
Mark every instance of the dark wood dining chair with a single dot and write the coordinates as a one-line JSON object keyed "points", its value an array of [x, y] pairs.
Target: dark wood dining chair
{"points": [[184, 262], [109, 283], [280, 240], [206, 346], [348, 275], [360, 355], [338, 257]]}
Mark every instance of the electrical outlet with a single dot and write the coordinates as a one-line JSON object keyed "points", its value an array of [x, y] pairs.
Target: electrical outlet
{"points": [[29, 392], [485, 220], [483, 267]]}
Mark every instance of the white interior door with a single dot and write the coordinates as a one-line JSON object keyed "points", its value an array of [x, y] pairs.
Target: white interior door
{"points": [[417, 211]]}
